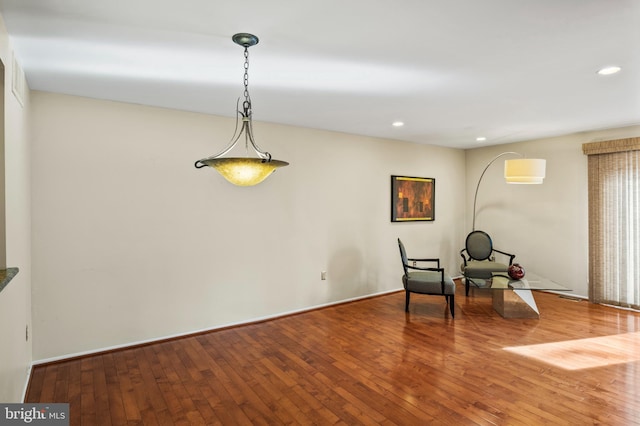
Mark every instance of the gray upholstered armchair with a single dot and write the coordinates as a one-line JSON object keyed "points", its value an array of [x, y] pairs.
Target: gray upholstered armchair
{"points": [[478, 258], [425, 280]]}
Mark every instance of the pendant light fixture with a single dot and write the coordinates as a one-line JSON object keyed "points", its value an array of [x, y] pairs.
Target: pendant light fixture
{"points": [[243, 171]]}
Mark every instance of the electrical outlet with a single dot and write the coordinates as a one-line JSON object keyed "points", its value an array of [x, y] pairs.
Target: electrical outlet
{"points": [[323, 275]]}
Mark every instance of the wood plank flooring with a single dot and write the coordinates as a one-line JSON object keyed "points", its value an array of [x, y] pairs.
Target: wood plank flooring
{"points": [[367, 362]]}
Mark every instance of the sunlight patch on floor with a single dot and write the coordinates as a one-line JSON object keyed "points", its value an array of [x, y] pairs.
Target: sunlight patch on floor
{"points": [[585, 353]]}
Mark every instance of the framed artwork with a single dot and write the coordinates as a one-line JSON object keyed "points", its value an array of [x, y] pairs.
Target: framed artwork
{"points": [[412, 199]]}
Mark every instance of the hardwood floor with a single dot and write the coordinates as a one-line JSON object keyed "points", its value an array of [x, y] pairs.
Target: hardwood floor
{"points": [[368, 362]]}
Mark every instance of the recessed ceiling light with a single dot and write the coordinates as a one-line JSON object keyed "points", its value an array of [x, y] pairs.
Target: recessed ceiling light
{"points": [[609, 70], [481, 139], [397, 124]]}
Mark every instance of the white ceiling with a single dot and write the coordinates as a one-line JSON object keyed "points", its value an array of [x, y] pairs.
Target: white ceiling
{"points": [[452, 70]]}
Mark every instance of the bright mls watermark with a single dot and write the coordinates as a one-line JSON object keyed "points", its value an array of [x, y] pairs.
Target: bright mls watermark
{"points": [[34, 414]]}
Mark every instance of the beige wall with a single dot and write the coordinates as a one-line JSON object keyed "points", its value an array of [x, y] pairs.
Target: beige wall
{"points": [[15, 299], [546, 226], [131, 242]]}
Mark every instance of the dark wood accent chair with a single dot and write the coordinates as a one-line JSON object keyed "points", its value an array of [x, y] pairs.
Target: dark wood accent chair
{"points": [[478, 258], [426, 280]]}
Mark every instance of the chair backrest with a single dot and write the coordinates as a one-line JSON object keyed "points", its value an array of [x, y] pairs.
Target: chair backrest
{"points": [[479, 245], [403, 256]]}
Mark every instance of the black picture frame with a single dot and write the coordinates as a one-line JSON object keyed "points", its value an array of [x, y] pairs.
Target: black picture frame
{"points": [[412, 199]]}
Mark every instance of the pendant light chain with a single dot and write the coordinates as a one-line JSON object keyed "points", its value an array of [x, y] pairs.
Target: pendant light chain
{"points": [[246, 105], [247, 99]]}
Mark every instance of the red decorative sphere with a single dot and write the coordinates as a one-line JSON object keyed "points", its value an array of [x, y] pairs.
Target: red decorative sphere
{"points": [[516, 271]]}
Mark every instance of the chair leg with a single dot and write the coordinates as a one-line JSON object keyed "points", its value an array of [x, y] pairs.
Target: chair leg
{"points": [[466, 286], [406, 304], [451, 305]]}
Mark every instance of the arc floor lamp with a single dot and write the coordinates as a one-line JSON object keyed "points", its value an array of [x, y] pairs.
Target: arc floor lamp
{"points": [[526, 171]]}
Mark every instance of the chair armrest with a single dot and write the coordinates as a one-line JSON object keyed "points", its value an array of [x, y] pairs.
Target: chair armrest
{"points": [[435, 259], [464, 259], [418, 268], [511, 256]]}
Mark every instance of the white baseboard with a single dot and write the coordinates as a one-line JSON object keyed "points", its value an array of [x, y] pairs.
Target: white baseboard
{"points": [[567, 295], [26, 383]]}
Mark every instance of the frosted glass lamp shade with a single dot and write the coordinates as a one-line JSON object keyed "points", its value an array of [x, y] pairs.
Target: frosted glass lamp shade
{"points": [[244, 171], [525, 170]]}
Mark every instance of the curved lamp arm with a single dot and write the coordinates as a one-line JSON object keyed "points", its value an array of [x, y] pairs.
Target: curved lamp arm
{"points": [[475, 198]]}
